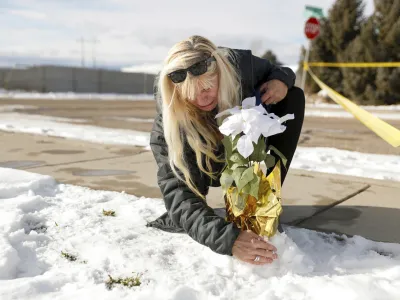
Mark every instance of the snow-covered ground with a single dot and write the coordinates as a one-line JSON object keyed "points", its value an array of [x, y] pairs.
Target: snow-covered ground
{"points": [[65, 128], [328, 160], [366, 107], [40, 219], [384, 112], [319, 112], [6, 94], [336, 161]]}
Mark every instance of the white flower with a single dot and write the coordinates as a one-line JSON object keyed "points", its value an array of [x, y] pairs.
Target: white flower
{"points": [[253, 121]]}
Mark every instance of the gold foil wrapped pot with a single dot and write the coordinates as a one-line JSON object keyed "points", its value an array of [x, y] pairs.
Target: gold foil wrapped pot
{"points": [[260, 216]]}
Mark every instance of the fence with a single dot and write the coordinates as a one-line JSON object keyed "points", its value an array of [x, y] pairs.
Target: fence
{"points": [[79, 80]]}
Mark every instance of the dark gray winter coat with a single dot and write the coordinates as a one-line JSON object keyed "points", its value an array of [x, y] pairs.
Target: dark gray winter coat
{"points": [[186, 212]]}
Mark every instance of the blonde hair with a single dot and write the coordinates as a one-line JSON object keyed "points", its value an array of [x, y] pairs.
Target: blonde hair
{"points": [[183, 120]]}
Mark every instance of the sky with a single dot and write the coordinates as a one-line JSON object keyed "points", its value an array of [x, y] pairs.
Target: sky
{"points": [[123, 33]]}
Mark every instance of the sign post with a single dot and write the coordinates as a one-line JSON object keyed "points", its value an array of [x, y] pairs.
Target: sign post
{"points": [[311, 30]]}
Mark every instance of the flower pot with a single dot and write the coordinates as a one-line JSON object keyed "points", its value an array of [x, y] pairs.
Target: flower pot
{"points": [[260, 216]]}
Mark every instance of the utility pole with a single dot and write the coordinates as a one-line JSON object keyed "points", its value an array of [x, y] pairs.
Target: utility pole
{"points": [[82, 52], [94, 42]]}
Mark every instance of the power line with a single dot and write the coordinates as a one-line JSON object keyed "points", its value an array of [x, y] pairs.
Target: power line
{"points": [[94, 41]]}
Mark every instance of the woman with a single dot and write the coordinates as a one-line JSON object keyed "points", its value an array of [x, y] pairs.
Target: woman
{"points": [[199, 80]]}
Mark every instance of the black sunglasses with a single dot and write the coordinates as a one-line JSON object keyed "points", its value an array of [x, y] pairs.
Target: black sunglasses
{"points": [[196, 69]]}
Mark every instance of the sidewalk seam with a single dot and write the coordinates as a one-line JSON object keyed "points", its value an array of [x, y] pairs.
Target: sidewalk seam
{"points": [[81, 161], [297, 223]]}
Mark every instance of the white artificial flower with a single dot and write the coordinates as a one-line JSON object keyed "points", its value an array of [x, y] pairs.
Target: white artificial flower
{"points": [[253, 121]]}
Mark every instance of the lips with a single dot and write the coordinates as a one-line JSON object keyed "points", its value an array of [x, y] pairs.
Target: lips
{"points": [[207, 104]]}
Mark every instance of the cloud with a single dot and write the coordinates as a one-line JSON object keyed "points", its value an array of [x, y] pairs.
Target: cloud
{"points": [[28, 14], [130, 32]]}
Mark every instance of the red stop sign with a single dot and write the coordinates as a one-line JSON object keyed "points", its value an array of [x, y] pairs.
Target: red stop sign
{"points": [[312, 28]]}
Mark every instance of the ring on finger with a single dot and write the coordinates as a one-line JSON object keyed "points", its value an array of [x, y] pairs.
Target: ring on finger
{"points": [[257, 258]]}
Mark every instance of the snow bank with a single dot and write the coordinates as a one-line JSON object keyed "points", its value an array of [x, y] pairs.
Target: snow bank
{"points": [[62, 127], [16, 94], [36, 226]]}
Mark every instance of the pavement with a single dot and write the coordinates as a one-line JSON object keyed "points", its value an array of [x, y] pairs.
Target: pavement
{"points": [[320, 201]]}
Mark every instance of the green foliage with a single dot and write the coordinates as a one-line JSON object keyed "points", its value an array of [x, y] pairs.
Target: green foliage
{"points": [[259, 153], [271, 56], [270, 161], [280, 154], [236, 158], [127, 281], [348, 36], [386, 20], [226, 179], [109, 213], [252, 187], [69, 256], [246, 176]]}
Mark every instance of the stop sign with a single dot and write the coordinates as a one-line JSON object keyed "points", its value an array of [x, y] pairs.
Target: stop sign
{"points": [[312, 28]]}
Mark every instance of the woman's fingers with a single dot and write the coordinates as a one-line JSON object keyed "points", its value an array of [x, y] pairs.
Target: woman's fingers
{"points": [[263, 253], [260, 244], [262, 261], [249, 246]]}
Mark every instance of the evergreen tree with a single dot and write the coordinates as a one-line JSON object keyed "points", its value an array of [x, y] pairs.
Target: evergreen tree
{"points": [[359, 83], [341, 27], [345, 20], [269, 55], [321, 51], [387, 23]]}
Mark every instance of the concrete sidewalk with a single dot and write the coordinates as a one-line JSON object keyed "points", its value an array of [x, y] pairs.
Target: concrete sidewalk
{"points": [[320, 201]]}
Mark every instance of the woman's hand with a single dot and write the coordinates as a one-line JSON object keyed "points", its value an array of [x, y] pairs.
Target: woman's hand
{"points": [[249, 245], [275, 90]]}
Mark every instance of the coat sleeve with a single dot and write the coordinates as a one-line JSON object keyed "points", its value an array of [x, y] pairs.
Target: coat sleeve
{"points": [[264, 70], [184, 207], [255, 70]]}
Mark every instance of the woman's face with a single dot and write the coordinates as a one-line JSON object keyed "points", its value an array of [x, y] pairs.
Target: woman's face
{"points": [[207, 99]]}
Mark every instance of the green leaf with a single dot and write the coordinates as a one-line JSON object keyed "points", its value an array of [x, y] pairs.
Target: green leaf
{"points": [[246, 177], [235, 166], [235, 140], [281, 156], [259, 153], [269, 161], [252, 187], [237, 174], [226, 141], [226, 179], [239, 159]]}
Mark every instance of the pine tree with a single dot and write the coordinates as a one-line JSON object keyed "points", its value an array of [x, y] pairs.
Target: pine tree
{"points": [[345, 20], [321, 51], [341, 27], [359, 83], [269, 55], [387, 21]]}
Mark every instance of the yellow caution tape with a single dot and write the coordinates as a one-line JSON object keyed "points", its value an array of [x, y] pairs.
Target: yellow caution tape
{"points": [[387, 132], [353, 65]]}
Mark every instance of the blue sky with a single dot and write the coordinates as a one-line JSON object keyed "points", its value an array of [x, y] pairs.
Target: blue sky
{"points": [[136, 32]]}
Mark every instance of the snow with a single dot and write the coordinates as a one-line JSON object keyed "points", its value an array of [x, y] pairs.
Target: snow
{"points": [[345, 114], [52, 126], [10, 108], [323, 159], [336, 161], [384, 112], [143, 68], [40, 218], [131, 119], [16, 94], [366, 107]]}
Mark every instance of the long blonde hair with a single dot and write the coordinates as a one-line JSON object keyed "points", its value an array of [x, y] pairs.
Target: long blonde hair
{"points": [[181, 119]]}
